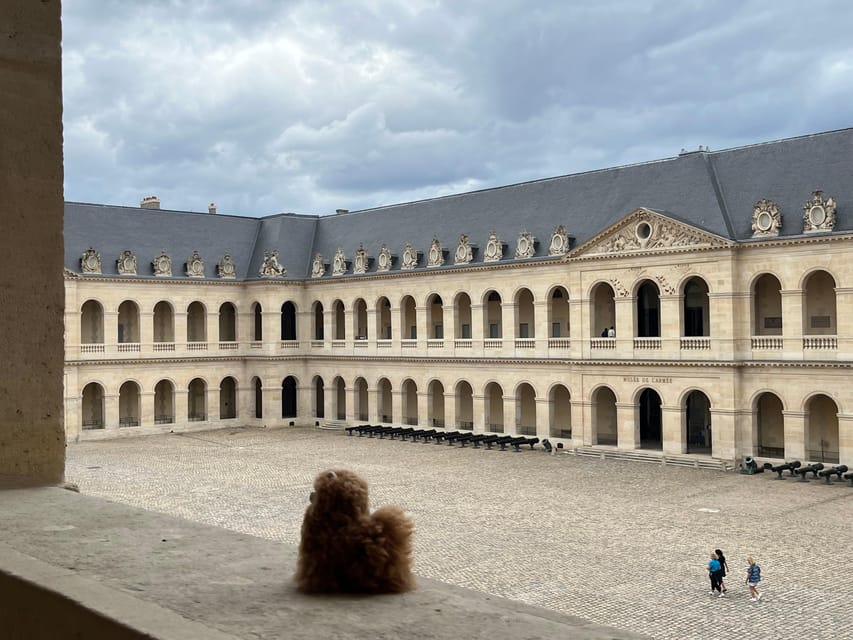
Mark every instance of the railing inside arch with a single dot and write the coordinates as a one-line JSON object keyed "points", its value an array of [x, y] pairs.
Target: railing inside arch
{"points": [[820, 342]]}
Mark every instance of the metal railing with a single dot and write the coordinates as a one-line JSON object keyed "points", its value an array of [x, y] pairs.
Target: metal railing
{"points": [[128, 422], [164, 419]]}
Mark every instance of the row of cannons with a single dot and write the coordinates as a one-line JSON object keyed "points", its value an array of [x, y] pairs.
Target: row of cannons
{"points": [[462, 438], [797, 469]]}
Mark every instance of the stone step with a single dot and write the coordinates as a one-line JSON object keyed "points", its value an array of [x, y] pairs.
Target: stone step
{"points": [[656, 457]]}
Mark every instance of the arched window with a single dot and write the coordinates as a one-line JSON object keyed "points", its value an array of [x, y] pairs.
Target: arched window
{"points": [[769, 426], [408, 319], [697, 422], [493, 317], [435, 317], [464, 406], [340, 398], [92, 406], [317, 315], [525, 314], [494, 399], [288, 321], [558, 313], [560, 410], [604, 429], [462, 311], [525, 410], [362, 399], [410, 402], [435, 404], [227, 323], [819, 309], [650, 419], [822, 443], [386, 413], [339, 318], [767, 306], [197, 401], [164, 402], [602, 301], [697, 309], [164, 323], [128, 322], [383, 318], [92, 323], [288, 397], [196, 323], [648, 310], [258, 322], [128, 404]]}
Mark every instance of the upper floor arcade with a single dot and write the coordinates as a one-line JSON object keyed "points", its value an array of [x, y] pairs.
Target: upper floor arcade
{"points": [[726, 307]]}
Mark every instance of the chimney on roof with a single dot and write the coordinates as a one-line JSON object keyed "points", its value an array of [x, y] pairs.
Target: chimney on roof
{"points": [[211, 208], [341, 211], [150, 202]]}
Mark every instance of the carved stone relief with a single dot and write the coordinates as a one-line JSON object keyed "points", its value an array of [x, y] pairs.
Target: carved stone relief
{"points": [[819, 214], [436, 254], [362, 261], [195, 266], [271, 267], [665, 286], [464, 253], [410, 257], [494, 248], [385, 259], [766, 219], [126, 263], [162, 265], [339, 263], [650, 234], [318, 268], [525, 247], [226, 267], [559, 242], [90, 261], [621, 291]]}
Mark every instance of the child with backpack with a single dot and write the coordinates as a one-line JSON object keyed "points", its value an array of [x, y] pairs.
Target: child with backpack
{"points": [[753, 577]]}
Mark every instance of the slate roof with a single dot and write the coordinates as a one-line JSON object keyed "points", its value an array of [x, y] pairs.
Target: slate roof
{"points": [[715, 191]]}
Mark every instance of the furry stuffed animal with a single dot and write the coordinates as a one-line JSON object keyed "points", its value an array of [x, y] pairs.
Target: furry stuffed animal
{"points": [[345, 548]]}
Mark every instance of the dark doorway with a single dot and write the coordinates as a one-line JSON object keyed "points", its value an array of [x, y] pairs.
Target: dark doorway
{"points": [[651, 430], [288, 397], [697, 409]]}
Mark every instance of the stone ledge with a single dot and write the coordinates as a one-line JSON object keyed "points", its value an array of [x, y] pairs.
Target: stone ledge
{"points": [[141, 574], [156, 576]]}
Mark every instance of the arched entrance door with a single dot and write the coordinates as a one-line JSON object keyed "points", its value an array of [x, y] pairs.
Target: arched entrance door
{"points": [[697, 420], [651, 423], [288, 397]]}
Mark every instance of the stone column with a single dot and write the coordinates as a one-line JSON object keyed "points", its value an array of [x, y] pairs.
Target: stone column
{"points": [[180, 319], [146, 408], [373, 408], [304, 411], [212, 329], [671, 328], [541, 327], [146, 330], [723, 442], [372, 329], [845, 439], [423, 410], [672, 430], [625, 308], [510, 418], [796, 434], [329, 403], [627, 427], [423, 328], [479, 402], [181, 406], [246, 402], [792, 324], [509, 328], [450, 410], [543, 418], [844, 322], [582, 428], [213, 402], [396, 328], [579, 330], [477, 326], [397, 406], [111, 412], [303, 328], [352, 404], [110, 331]]}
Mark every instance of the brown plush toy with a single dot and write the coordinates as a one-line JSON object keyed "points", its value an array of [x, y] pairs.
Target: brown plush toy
{"points": [[345, 548]]}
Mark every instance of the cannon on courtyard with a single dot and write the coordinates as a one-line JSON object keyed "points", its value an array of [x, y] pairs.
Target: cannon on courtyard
{"points": [[837, 470], [849, 477], [546, 444], [788, 466], [521, 440], [809, 468], [498, 440], [749, 466]]}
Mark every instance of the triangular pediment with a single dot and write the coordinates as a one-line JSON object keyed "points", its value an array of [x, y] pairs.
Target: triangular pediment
{"points": [[645, 230]]}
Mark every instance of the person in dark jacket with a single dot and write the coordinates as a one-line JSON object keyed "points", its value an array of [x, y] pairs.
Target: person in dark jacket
{"points": [[724, 568]]}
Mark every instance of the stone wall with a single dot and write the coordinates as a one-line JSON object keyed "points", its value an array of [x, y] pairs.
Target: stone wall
{"points": [[32, 442]]}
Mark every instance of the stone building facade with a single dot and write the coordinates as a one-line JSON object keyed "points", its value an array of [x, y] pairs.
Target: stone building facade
{"points": [[693, 305]]}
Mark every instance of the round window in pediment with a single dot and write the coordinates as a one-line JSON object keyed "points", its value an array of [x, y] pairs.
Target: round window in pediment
{"points": [[644, 231]]}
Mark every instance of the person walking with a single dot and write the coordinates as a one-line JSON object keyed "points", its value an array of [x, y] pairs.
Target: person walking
{"points": [[724, 569], [753, 577], [714, 570]]}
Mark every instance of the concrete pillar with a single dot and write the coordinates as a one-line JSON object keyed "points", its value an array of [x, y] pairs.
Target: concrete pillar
{"points": [[672, 429], [627, 426], [796, 435]]}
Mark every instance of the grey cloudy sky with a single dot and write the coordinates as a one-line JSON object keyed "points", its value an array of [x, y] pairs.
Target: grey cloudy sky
{"points": [[266, 106]]}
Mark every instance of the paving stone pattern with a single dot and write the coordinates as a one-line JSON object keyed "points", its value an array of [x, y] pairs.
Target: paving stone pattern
{"points": [[620, 543]]}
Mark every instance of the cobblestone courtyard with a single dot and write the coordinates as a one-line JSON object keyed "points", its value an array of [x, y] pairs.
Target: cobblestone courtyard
{"points": [[619, 543]]}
